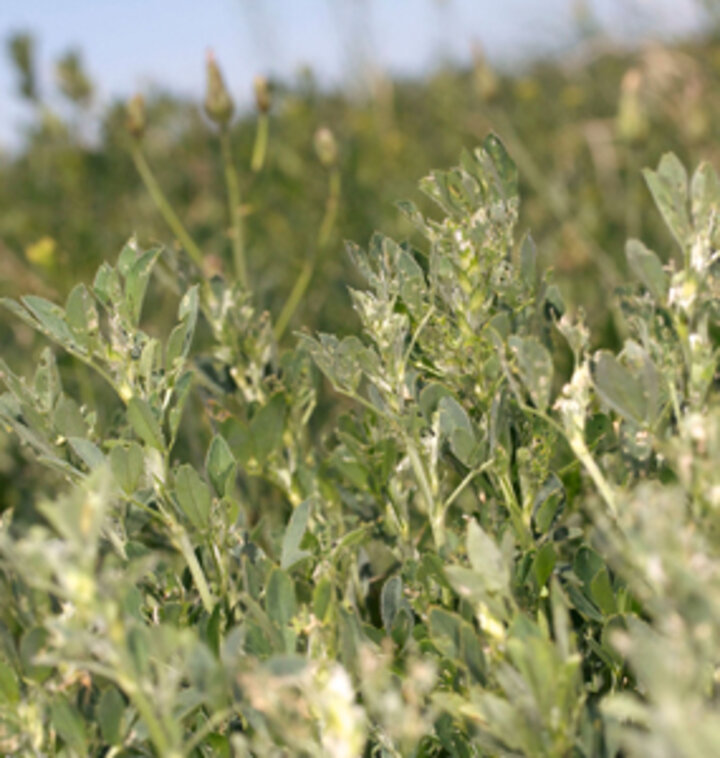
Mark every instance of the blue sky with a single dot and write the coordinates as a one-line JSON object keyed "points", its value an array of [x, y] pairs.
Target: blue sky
{"points": [[131, 45]]}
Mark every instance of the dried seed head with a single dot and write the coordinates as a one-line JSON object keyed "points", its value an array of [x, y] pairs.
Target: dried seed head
{"points": [[136, 118], [326, 147], [262, 94], [218, 103]]}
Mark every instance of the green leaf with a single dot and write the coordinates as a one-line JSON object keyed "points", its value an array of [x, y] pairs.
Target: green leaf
{"points": [[456, 426], [136, 282], [468, 584], [127, 465], [322, 595], [548, 504], [618, 387], [280, 602], [220, 465], [193, 496], [430, 398], [88, 451], [445, 630], [9, 687], [504, 166], [669, 188], [67, 418], [33, 643], [81, 315], [705, 197], [291, 552], [178, 344], [47, 384], [472, 651], [181, 391], [107, 287], [452, 416], [535, 367], [486, 558], [267, 427], [647, 268], [143, 421], [391, 601], [128, 255], [602, 593], [544, 564], [412, 281], [109, 713], [69, 724], [51, 318], [17, 310]]}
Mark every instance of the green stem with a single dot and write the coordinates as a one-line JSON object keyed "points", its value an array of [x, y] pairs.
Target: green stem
{"points": [[464, 483], [435, 511], [305, 276], [581, 451], [294, 298], [162, 204], [516, 514], [215, 720], [261, 142], [234, 201], [147, 715], [183, 545]]}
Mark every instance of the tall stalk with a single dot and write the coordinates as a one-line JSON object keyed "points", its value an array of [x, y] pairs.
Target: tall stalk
{"points": [[163, 205]]}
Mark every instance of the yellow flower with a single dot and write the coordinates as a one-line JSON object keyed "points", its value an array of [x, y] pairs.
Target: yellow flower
{"points": [[42, 252]]}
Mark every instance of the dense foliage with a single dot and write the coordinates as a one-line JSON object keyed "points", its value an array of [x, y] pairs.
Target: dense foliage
{"points": [[457, 529], [472, 563]]}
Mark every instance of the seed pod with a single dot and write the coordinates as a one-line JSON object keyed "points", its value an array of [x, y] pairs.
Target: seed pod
{"points": [[218, 103], [326, 147], [262, 94], [136, 121]]}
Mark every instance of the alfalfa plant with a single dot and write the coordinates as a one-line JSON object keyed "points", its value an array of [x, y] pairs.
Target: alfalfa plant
{"points": [[479, 559]]}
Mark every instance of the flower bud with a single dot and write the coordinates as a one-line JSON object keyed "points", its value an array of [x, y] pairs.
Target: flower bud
{"points": [[326, 147], [262, 94], [218, 103], [632, 120], [486, 80], [136, 121]]}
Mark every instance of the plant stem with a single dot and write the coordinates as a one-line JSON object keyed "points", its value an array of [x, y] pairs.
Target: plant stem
{"points": [[162, 204], [183, 544], [516, 513], [261, 142], [145, 709], [581, 451], [234, 200], [435, 511], [303, 280]]}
